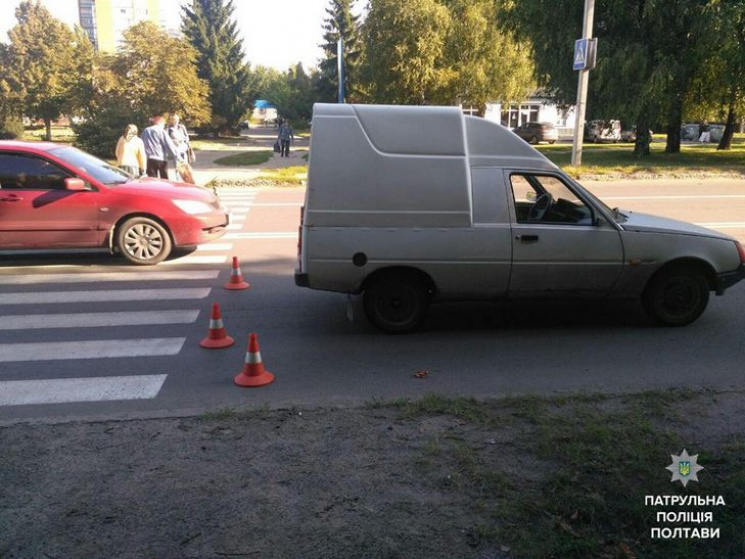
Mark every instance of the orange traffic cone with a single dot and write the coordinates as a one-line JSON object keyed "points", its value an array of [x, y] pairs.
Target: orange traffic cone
{"points": [[216, 336], [253, 373], [236, 278]]}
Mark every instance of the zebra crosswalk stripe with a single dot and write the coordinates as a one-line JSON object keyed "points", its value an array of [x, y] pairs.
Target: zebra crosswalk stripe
{"points": [[96, 320], [69, 390], [58, 297], [90, 349]]}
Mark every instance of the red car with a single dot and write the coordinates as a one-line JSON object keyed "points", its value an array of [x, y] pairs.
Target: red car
{"points": [[56, 196]]}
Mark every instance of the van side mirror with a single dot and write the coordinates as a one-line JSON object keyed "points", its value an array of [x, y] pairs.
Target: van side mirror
{"points": [[75, 184]]}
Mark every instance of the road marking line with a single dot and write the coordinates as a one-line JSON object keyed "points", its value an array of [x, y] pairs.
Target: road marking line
{"points": [[90, 349], [214, 247], [89, 320], [53, 297], [29, 279], [234, 227], [677, 197], [724, 225], [194, 259], [281, 235], [279, 204], [68, 390]]}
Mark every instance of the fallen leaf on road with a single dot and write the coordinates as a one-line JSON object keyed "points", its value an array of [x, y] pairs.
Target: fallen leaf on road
{"points": [[421, 373]]}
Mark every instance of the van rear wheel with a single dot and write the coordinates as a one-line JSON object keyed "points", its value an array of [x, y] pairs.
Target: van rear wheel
{"points": [[396, 304]]}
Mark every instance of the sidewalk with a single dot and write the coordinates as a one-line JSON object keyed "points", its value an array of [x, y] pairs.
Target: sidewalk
{"points": [[257, 139]]}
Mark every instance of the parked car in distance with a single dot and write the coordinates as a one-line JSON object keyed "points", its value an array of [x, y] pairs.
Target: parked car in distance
{"points": [[57, 196], [429, 204], [536, 132], [597, 131], [629, 134]]}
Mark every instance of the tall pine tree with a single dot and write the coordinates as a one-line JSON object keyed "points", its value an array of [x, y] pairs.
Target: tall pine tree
{"points": [[210, 28], [339, 23]]}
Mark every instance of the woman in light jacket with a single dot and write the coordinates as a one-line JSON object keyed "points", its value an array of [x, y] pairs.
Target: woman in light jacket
{"points": [[130, 152]]}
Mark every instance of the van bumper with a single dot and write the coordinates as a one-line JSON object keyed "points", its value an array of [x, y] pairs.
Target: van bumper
{"points": [[729, 279], [301, 280]]}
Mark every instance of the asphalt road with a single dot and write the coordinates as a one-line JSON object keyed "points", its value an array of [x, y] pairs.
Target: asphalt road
{"points": [[87, 326]]}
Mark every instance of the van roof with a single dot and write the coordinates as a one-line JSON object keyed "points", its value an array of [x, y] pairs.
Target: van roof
{"points": [[438, 130]]}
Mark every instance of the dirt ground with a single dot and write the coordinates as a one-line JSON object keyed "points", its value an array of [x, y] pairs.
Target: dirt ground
{"points": [[314, 483]]}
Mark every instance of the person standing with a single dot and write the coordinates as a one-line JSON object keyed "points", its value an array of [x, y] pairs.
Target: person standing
{"points": [[158, 148], [285, 136], [179, 136], [130, 152]]}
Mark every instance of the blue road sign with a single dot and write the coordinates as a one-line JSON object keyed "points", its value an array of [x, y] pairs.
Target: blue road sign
{"points": [[580, 54]]}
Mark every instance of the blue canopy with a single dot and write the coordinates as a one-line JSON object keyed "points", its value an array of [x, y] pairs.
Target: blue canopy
{"points": [[263, 104]]}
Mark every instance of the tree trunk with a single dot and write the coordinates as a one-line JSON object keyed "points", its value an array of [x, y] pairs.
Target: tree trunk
{"points": [[673, 127], [641, 147], [48, 125], [729, 129]]}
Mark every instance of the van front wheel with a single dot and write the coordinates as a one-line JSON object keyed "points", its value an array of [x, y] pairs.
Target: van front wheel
{"points": [[396, 304]]}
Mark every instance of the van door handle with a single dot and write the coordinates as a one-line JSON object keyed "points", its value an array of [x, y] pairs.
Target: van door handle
{"points": [[526, 238]]}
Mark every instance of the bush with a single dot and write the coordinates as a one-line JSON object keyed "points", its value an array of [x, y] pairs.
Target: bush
{"points": [[99, 133], [11, 128]]}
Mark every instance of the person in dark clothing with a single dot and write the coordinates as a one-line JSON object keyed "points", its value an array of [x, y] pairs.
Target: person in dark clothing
{"points": [[285, 136]]}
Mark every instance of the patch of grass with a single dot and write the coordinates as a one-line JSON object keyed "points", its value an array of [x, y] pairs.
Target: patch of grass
{"points": [[601, 459], [465, 409], [60, 134], [229, 413], [246, 158], [607, 160], [220, 414], [294, 175]]}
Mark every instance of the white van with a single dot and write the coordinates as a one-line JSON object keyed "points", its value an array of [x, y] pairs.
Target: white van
{"points": [[410, 205]]}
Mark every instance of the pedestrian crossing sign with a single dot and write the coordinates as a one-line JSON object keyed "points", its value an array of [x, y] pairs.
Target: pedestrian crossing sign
{"points": [[584, 54], [580, 54]]}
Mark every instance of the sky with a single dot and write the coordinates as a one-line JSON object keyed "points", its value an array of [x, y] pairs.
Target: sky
{"points": [[276, 33]]}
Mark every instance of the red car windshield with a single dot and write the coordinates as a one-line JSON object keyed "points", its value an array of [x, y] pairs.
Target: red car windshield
{"points": [[97, 168]]}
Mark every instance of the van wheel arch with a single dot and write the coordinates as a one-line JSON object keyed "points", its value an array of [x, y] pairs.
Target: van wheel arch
{"points": [[396, 300], [678, 293]]}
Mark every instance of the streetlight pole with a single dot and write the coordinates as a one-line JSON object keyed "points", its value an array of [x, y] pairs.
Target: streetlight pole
{"points": [[340, 67], [584, 75]]}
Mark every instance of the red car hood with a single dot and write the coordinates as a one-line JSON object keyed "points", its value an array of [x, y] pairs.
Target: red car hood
{"points": [[167, 189]]}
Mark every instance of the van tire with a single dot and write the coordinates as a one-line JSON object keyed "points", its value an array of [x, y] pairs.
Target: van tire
{"points": [[676, 296], [396, 303]]}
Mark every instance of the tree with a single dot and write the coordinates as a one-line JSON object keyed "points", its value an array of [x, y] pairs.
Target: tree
{"points": [[485, 63], [404, 44], [158, 74], [151, 74], [11, 99], [292, 92], [444, 52], [646, 57], [42, 62], [209, 27], [718, 91], [340, 23]]}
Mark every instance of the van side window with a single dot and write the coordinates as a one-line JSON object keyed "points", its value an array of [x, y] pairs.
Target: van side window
{"points": [[546, 199]]}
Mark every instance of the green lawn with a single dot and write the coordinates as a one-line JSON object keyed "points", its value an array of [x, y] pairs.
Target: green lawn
{"points": [[609, 160], [246, 158], [285, 175]]}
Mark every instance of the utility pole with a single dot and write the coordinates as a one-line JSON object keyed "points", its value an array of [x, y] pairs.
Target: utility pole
{"points": [[340, 67], [584, 76]]}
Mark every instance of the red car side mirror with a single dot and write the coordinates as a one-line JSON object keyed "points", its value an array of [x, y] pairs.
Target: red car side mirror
{"points": [[75, 184]]}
